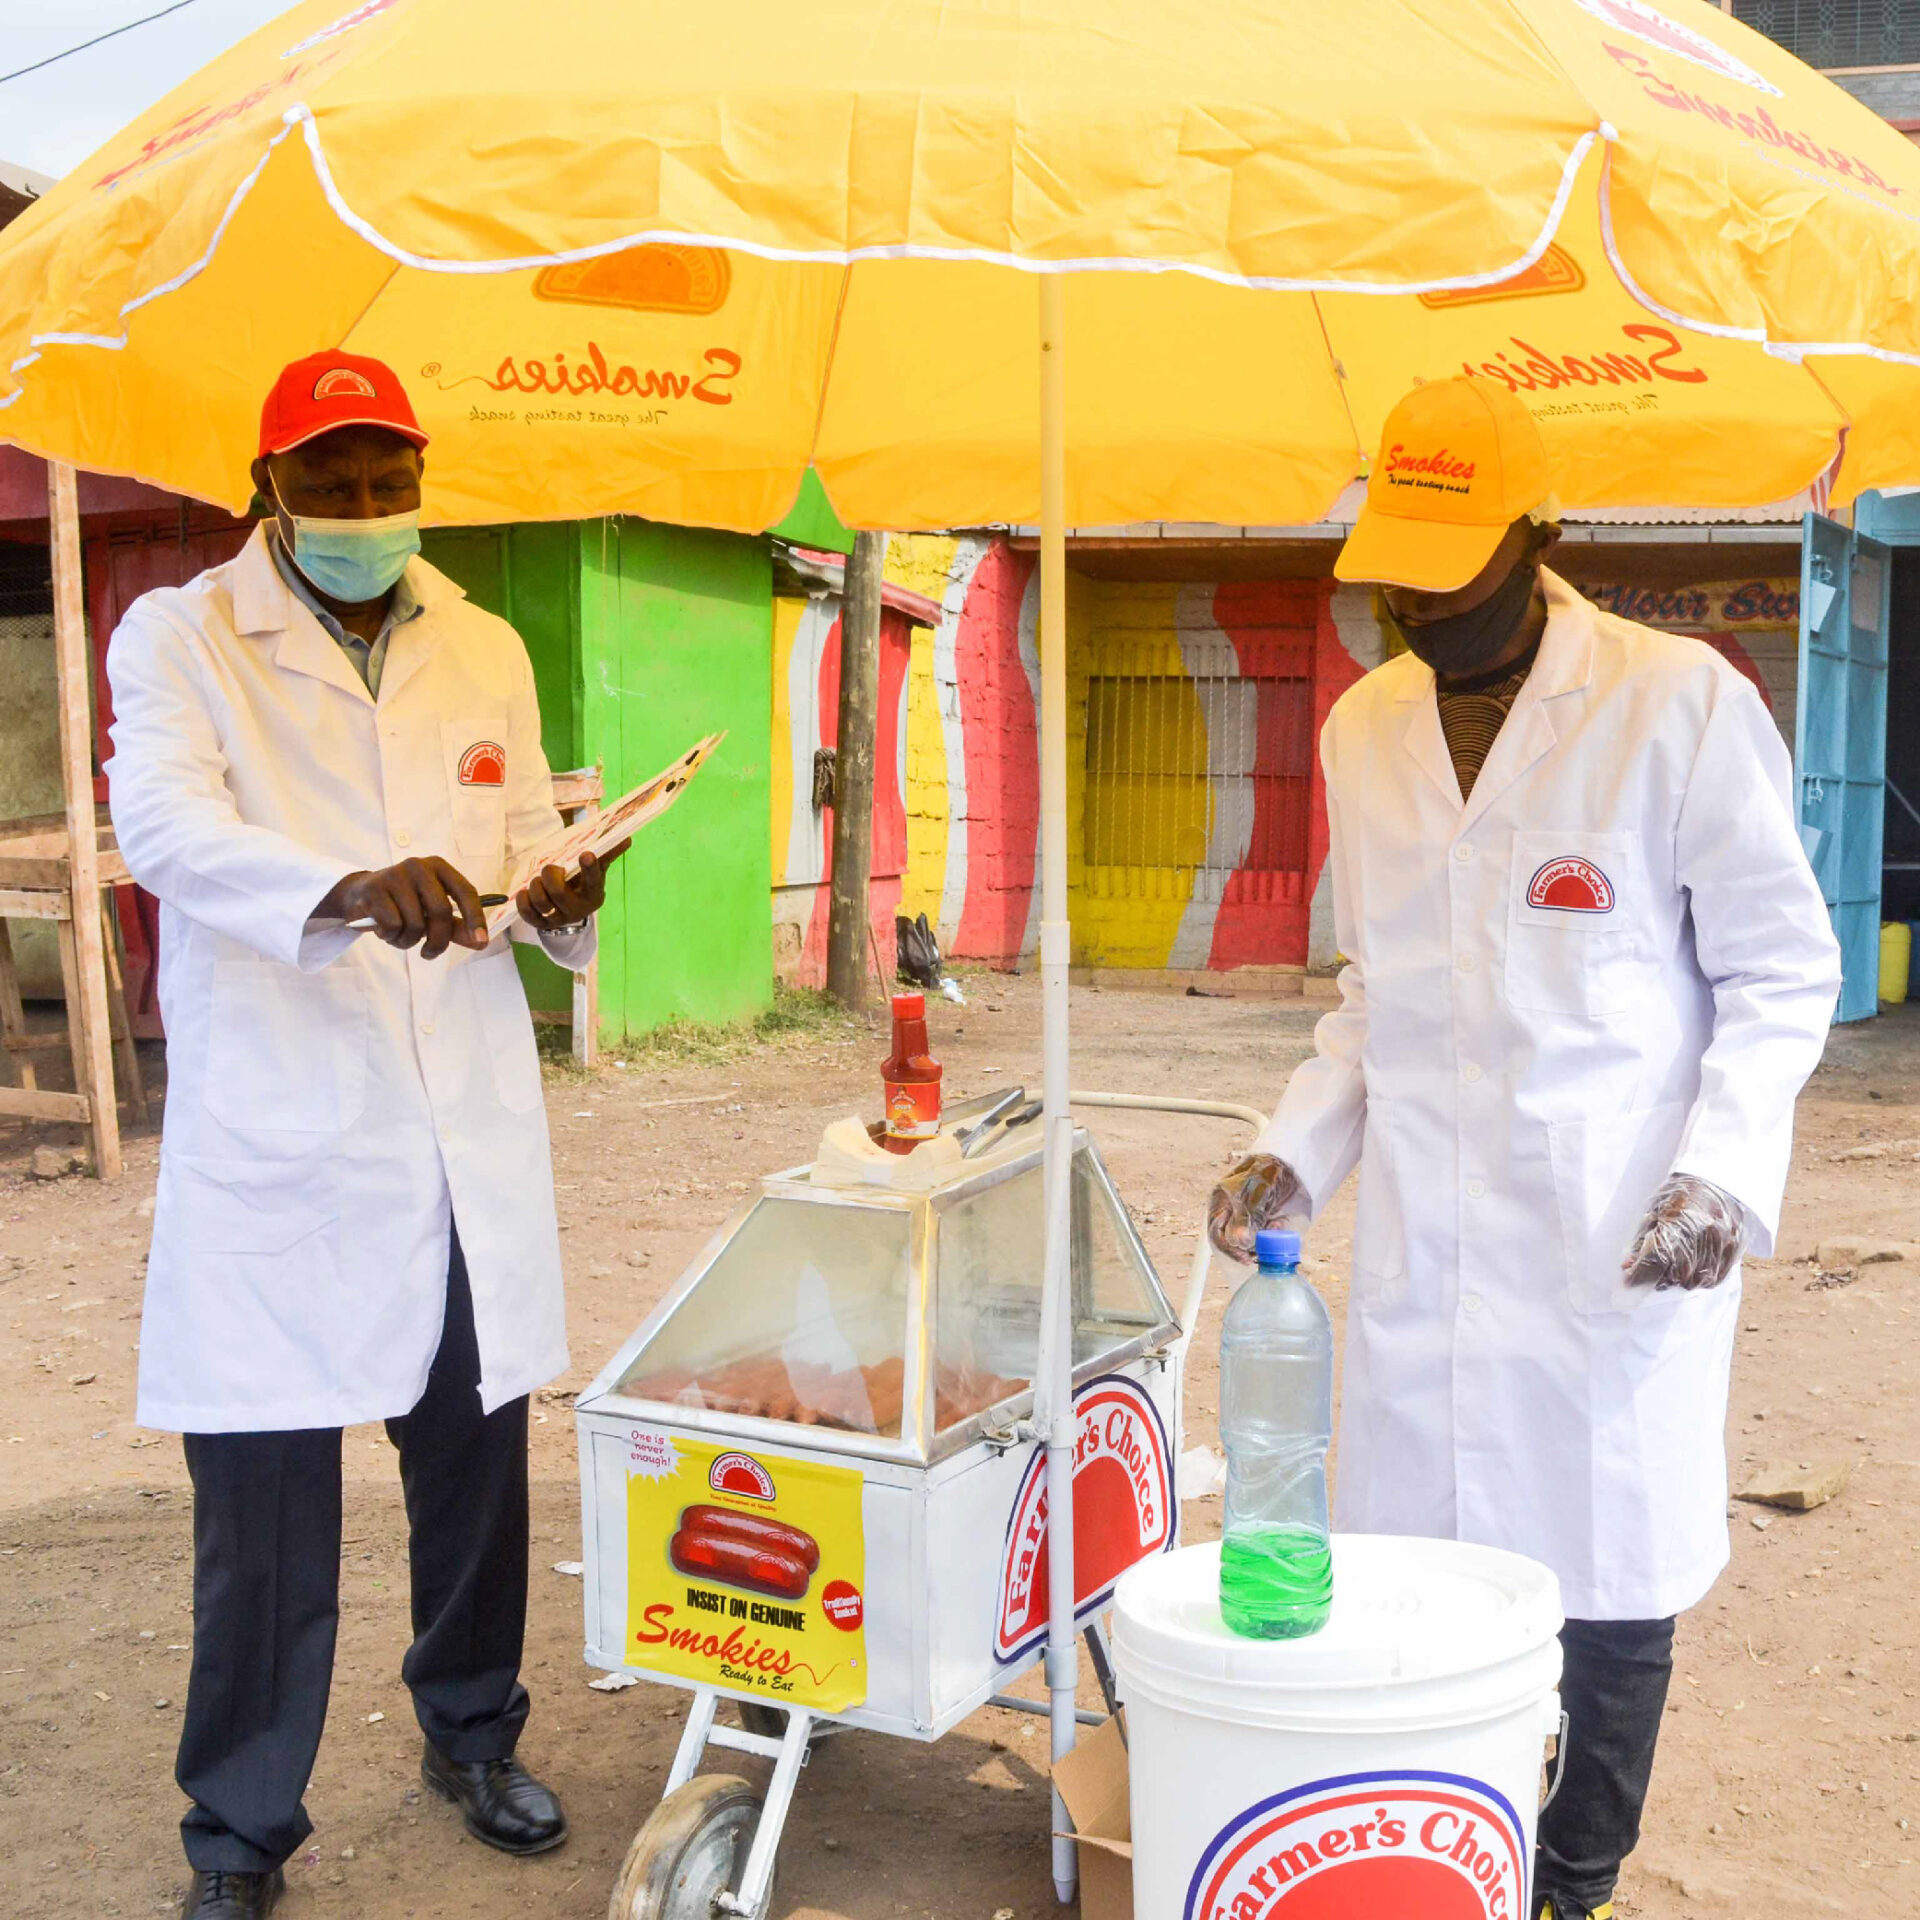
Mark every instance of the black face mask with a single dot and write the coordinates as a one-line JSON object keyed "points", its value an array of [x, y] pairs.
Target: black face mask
{"points": [[1465, 644]]}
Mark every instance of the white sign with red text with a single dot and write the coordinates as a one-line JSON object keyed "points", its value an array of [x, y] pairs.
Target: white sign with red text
{"points": [[1123, 1510]]}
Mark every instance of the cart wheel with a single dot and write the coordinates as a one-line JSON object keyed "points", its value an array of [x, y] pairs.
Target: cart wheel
{"points": [[770, 1723], [693, 1848]]}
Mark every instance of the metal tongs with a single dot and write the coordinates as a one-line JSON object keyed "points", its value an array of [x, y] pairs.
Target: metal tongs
{"points": [[994, 1110]]}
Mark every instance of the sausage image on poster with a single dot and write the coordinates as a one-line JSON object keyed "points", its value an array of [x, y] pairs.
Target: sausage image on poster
{"points": [[746, 1573], [1123, 1510]]}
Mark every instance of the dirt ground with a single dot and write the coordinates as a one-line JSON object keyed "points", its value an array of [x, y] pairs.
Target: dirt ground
{"points": [[1790, 1767]]}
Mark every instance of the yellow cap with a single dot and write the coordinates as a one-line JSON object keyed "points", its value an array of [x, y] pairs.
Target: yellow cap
{"points": [[1460, 461]]}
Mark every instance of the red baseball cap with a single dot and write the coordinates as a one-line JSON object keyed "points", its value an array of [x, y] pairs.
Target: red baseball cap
{"points": [[328, 390]]}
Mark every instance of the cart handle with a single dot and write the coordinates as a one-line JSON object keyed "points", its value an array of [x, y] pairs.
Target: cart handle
{"points": [[1209, 1109]]}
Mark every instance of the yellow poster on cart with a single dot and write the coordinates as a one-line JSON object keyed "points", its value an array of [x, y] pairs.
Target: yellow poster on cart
{"points": [[746, 1571]]}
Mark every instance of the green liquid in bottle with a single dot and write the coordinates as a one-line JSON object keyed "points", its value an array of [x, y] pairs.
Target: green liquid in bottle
{"points": [[1276, 1583]]}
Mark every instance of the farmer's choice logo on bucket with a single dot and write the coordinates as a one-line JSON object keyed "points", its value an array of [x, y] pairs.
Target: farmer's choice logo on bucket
{"points": [[744, 1580], [1123, 1510], [1382, 1846]]}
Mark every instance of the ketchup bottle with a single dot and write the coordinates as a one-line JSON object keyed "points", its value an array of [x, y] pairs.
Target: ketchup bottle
{"points": [[912, 1078]]}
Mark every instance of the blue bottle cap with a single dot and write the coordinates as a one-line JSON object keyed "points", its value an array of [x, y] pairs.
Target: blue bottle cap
{"points": [[1276, 1247]]}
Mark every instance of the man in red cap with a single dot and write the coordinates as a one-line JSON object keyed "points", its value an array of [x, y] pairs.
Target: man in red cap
{"points": [[324, 756]]}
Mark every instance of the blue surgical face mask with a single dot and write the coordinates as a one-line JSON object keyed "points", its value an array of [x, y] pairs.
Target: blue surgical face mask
{"points": [[353, 560]]}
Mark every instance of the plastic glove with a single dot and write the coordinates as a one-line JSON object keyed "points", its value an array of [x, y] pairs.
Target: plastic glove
{"points": [[1260, 1192], [1691, 1237]]}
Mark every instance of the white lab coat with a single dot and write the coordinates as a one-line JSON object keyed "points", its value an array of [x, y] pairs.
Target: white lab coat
{"points": [[1515, 1080], [333, 1105]]}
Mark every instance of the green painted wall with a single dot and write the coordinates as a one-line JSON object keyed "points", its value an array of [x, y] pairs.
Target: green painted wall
{"points": [[642, 639], [676, 642]]}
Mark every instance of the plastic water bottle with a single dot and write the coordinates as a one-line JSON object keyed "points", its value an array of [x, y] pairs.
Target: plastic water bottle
{"points": [[1276, 1417]]}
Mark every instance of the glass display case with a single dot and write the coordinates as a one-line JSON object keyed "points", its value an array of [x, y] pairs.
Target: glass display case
{"points": [[909, 1321]]}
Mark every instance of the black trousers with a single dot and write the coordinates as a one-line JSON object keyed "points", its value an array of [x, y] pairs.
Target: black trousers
{"points": [[1613, 1690], [266, 1593]]}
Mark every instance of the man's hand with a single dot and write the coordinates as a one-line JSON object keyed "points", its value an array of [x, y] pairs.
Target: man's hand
{"points": [[552, 903], [1690, 1237], [420, 901], [1260, 1192]]}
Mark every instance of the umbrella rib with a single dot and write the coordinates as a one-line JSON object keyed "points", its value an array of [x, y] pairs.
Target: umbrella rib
{"points": [[826, 372]]}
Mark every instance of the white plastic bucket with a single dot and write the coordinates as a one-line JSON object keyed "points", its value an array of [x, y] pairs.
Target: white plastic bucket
{"points": [[1385, 1767]]}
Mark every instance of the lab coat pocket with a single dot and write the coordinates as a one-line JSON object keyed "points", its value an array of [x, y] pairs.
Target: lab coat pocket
{"points": [[286, 1050], [1606, 1168], [247, 1207], [1575, 942], [475, 758], [494, 981], [1379, 1232]]}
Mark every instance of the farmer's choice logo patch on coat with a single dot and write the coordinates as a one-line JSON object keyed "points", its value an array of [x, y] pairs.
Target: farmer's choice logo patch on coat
{"points": [[484, 764], [1367, 1847], [1123, 1510], [1571, 885]]}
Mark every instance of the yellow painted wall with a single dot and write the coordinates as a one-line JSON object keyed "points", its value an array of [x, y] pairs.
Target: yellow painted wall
{"points": [[1127, 916], [786, 624], [929, 809], [923, 563]]}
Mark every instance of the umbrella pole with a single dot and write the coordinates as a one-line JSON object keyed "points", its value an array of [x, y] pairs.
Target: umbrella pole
{"points": [[1054, 1388]]}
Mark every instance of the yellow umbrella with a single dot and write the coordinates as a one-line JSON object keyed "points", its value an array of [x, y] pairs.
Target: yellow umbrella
{"points": [[659, 260]]}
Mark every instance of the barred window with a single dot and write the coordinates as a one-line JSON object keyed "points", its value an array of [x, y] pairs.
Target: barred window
{"points": [[1839, 33]]}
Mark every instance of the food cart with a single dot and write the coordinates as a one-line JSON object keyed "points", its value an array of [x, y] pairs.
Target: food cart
{"points": [[812, 1486]]}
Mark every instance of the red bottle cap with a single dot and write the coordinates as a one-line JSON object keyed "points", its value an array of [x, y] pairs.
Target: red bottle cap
{"points": [[909, 1006]]}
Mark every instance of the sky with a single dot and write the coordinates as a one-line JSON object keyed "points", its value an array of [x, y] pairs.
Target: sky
{"points": [[51, 120]]}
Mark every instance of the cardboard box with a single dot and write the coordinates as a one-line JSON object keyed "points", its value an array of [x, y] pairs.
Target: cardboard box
{"points": [[1093, 1782]]}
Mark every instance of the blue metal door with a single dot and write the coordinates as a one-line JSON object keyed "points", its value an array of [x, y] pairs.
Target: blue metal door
{"points": [[1840, 740]]}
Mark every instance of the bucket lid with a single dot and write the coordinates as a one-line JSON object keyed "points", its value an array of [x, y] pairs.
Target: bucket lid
{"points": [[1404, 1611]]}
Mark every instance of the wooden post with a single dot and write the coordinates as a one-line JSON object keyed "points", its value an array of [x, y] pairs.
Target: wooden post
{"points": [[87, 1021], [849, 915]]}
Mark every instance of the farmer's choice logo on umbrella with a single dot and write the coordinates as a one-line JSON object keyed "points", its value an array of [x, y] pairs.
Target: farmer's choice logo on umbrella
{"points": [[357, 17], [1123, 1510], [1367, 1847], [1644, 23], [662, 278], [745, 1576]]}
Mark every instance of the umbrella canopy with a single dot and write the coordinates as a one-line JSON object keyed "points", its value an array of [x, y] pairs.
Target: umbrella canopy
{"points": [[661, 259]]}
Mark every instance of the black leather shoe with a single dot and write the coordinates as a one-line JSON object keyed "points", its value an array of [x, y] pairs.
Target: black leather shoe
{"points": [[217, 1895], [503, 1803]]}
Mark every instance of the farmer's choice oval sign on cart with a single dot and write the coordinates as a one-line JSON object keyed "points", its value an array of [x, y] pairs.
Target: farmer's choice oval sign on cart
{"points": [[745, 1572], [1363, 1846], [1123, 1510]]}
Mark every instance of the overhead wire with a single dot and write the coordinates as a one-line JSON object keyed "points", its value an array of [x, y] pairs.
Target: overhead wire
{"points": [[112, 33]]}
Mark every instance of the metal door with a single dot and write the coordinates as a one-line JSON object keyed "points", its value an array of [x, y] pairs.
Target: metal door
{"points": [[1840, 740]]}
